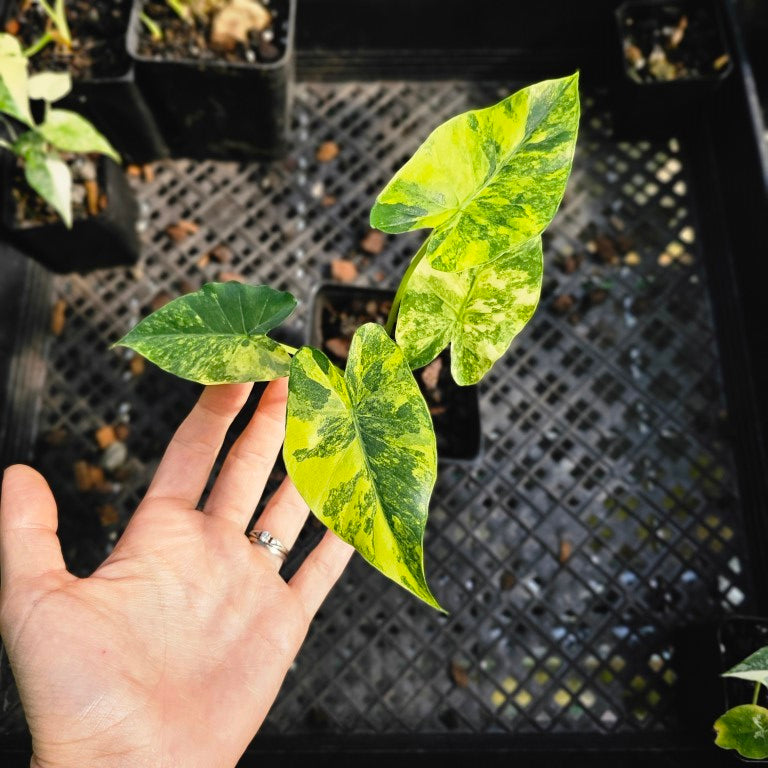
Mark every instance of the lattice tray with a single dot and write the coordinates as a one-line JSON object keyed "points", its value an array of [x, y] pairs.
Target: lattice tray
{"points": [[604, 512]]}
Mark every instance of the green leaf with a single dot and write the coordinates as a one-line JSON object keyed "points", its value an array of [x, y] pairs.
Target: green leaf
{"points": [[489, 179], [745, 729], [14, 99], [71, 132], [754, 667], [50, 86], [360, 448], [217, 335], [50, 177], [478, 311]]}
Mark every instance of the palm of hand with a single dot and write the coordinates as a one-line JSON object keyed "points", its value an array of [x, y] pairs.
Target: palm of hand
{"points": [[172, 652]]}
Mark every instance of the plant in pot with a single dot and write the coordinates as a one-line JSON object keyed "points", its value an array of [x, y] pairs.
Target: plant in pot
{"points": [[217, 73], [87, 39], [359, 443], [65, 200], [671, 57]]}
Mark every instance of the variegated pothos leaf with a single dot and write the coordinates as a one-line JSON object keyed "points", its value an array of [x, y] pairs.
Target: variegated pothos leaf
{"points": [[477, 311], [754, 667], [489, 179], [360, 448], [217, 335], [745, 729], [14, 97]]}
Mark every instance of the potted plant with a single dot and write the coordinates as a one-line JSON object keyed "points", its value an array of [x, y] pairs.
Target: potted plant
{"points": [[743, 646], [671, 55], [217, 73], [360, 444], [338, 310], [65, 200], [87, 39]]}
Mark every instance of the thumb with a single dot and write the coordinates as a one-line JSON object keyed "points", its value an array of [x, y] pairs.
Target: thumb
{"points": [[29, 546]]}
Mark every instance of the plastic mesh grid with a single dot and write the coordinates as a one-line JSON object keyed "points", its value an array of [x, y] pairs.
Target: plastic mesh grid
{"points": [[604, 512]]}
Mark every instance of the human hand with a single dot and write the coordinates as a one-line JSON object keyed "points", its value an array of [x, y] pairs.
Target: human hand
{"points": [[172, 652]]}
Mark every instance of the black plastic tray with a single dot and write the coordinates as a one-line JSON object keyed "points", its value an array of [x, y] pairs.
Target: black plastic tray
{"points": [[543, 384]]}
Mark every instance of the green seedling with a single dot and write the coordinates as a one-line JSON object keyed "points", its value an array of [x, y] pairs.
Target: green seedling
{"points": [[359, 443], [58, 28], [39, 145]]}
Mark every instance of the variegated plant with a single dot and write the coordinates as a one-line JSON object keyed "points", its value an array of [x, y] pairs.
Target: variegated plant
{"points": [[359, 444]]}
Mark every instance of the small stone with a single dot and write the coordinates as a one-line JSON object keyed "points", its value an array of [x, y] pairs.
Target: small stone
{"points": [[327, 151], [122, 431], [268, 51], [232, 23], [374, 241], [665, 259], [221, 254], [230, 277], [108, 515], [563, 304], [632, 259], [105, 436], [430, 375], [507, 580], [182, 229], [338, 346], [160, 299], [114, 456], [343, 270], [137, 365], [78, 195], [459, 674], [317, 190], [372, 309], [58, 317]]}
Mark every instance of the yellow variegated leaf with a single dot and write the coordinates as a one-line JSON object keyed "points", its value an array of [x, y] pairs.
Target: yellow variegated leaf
{"points": [[360, 448], [489, 179], [478, 311]]}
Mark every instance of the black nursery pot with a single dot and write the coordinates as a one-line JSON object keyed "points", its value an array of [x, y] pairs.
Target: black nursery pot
{"points": [[218, 109], [116, 106], [108, 239], [456, 417], [660, 108]]}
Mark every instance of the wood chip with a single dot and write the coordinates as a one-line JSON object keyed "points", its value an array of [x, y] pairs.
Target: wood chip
{"points": [[105, 436], [12, 27], [721, 62], [92, 196], [148, 172], [226, 277], [108, 515], [88, 477], [565, 551], [58, 317], [182, 229], [430, 375], [221, 253], [137, 365], [507, 581], [563, 303], [438, 410], [338, 346], [204, 260], [122, 431], [374, 241], [459, 674], [328, 201], [133, 170], [343, 270], [327, 151], [160, 299], [103, 202], [606, 250]]}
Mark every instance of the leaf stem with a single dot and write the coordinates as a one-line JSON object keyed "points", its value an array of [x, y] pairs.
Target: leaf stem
{"points": [[756, 694], [390, 325], [155, 32], [42, 41]]}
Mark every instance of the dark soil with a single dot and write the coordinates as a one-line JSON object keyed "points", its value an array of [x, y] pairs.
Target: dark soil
{"points": [[98, 32], [30, 210], [184, 41], [675, 41], [454, 409]]}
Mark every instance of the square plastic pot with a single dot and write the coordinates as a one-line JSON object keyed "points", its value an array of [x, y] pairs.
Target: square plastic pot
{"points": [[108, 239], [116, 106], [457, 428], [659, 109], [217, 109]]}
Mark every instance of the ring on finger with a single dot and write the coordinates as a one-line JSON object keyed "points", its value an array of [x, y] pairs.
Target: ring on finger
{"points": [[269, 542]]}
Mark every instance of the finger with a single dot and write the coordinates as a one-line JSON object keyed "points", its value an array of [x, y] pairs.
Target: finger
{"points": [[320, 571], [189, 458], [241, 482], [29, 545]]}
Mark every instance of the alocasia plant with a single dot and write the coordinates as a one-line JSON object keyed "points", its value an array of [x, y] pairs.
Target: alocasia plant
{"points": [[39, 145], [359, 444]]}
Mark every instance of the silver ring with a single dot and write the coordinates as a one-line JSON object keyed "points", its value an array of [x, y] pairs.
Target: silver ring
{"points": [[266, 539]]}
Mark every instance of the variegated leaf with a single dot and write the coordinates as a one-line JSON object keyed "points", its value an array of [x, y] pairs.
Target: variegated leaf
{"points": [[14, 99], [51, 178], [489, 179], [745, 729], [217, 335], [754, 667], [71, 132], [360, 448], [478, 311]]}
